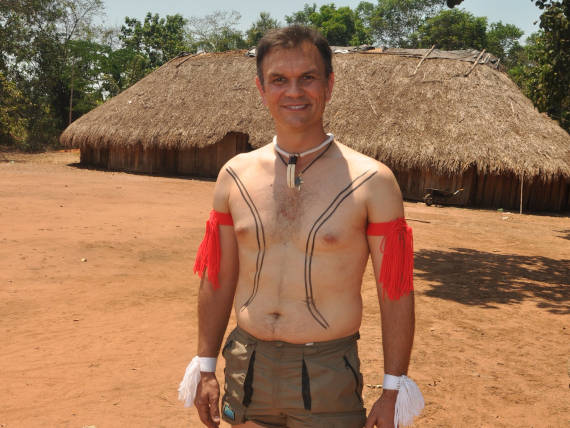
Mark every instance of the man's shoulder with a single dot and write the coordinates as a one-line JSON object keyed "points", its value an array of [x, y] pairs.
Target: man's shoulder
{"points": [[358, 161], [247, 160], [383, 196]]}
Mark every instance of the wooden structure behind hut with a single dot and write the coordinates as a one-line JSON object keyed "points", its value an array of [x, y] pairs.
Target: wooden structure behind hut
{"points": [[445, 125]]}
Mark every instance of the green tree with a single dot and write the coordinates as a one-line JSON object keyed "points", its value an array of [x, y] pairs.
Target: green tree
{"points": [[260, 27], [527, 70], [459, 29], [156, 39], [302, 17], [503, 42], [228, 40], [552, 93], [21, 22], [453, 29], [341, 27], [393, 22], [13, 106], [59, 64], [37, 56], [86, 76], [216, 32], [120, 67]]}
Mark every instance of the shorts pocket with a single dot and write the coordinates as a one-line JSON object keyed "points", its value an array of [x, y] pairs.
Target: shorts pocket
{"points": [[238, 373], [335, 382], [355, 370]]}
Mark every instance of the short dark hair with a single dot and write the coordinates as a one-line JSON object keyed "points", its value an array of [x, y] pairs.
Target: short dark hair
{"points": [[289, 38]]}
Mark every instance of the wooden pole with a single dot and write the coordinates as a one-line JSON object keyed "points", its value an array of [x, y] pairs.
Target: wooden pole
{"points": [[71, 95], [424, 57], [475, 64], [522, 183]]}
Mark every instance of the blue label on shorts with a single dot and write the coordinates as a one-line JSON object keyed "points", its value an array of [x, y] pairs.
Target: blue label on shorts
{"points": [[229, 412]]}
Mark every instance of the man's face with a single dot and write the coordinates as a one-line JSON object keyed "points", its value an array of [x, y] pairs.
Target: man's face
{"points": [[295, 88]]}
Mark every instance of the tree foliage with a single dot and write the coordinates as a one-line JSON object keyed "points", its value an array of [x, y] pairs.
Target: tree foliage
{"points": [[156, 39], [528, 68], [216, 32], [341, 27], [302, 17], [120, 66], [452, 30], [38, 43], [13, 109], [260, 27], [551, 74], [393, 22], [503, 42], [459, 29]]}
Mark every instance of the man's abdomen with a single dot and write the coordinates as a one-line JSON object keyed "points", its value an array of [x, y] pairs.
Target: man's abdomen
{"points": [[292, 319], [287, 295]]}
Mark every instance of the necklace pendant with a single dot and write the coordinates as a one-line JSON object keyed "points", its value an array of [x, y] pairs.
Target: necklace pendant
{"points": [[298, 182], [291, 174]]}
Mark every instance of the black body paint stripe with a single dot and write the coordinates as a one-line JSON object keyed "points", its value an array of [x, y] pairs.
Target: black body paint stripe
{"points": [[258, 230], [310, 246], [308, 286]]}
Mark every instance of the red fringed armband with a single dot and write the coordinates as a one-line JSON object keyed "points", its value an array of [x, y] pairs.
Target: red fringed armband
{"points": [[208, 256], [397, 247]]}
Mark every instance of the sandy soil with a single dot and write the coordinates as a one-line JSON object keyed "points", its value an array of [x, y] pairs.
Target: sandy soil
{"points": [[98, 304]]}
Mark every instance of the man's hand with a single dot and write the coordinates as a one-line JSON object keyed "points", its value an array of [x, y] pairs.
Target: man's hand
{"points": [[382, 413], [208, 400]]}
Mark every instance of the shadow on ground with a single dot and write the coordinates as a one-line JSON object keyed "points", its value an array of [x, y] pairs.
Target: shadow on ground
{"points": [[79, 165], [485, 279]]}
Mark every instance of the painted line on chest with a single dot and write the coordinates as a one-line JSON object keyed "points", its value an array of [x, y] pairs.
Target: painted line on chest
{"points": [[259, 230]]}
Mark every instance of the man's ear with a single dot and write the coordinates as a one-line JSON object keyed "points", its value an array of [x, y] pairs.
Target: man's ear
{"points": [[260, 89], [330, 87]]}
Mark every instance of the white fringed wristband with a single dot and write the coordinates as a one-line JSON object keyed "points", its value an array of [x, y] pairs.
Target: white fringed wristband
{"points": [[410, 401], [189, 384]]}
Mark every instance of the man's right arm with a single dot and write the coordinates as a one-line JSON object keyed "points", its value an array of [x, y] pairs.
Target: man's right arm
{"points": [[214, 308]]}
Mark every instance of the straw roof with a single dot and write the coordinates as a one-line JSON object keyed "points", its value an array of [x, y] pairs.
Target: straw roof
{"points": [[436, 119]]}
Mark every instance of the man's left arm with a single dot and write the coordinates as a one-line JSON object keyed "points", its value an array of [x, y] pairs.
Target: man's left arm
{"points": [[385, 207]]}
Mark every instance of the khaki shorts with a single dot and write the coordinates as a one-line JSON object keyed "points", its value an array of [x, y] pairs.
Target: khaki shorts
{"points": [[279, 384]]}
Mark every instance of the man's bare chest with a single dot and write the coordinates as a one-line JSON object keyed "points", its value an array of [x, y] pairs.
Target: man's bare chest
{"points": [[325, 216]]}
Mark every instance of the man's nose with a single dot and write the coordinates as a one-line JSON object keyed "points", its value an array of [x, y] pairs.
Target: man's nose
{"points": [[294, 89]]}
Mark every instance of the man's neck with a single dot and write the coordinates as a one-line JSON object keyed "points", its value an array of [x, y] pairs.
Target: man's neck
{"points": [[298, 142]]}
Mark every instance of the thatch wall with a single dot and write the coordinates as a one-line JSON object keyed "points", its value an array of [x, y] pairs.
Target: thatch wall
{"points": [[438, 121]]}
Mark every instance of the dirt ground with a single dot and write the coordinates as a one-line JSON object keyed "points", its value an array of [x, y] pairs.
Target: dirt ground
{"points": [[98, 304]]}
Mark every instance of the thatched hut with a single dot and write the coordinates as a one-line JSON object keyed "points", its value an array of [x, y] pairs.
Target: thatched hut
{"points": [[444, 126]]}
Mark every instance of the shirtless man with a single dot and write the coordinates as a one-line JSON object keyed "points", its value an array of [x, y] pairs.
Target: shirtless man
{"points": [[292, 262]]}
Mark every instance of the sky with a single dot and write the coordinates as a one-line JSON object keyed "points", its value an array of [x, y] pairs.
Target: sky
{"points": [[522, 13]]}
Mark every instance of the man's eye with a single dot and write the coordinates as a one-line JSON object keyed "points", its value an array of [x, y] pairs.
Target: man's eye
{"points": [[278, 80], [308, 77]]}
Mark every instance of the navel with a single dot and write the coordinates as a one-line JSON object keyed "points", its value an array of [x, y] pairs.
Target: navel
{"points": [[275, 315]]}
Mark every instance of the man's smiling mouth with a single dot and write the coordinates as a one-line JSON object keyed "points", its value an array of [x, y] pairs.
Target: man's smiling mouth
{"points": [[296, 107]]}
